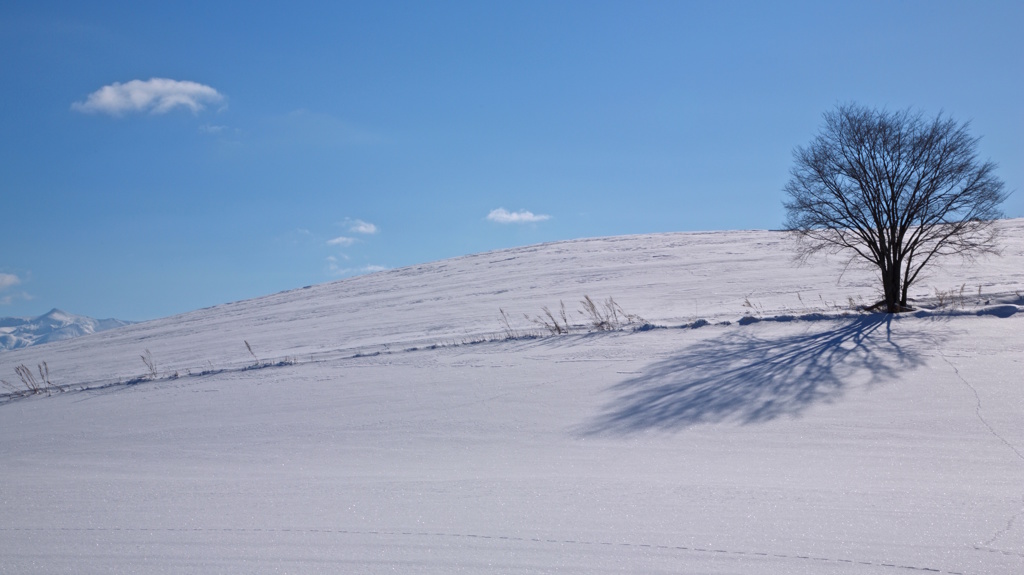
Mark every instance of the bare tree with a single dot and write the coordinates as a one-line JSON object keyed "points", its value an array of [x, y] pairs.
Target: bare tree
{"points": [[895, 189]]}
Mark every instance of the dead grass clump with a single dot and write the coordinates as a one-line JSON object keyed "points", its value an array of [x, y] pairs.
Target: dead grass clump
{"points": [[29, 383], [607, 315], [953, 298]]}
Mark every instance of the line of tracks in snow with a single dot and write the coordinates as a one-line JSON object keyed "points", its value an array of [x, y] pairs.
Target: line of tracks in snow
{"points": [[497, 538]]}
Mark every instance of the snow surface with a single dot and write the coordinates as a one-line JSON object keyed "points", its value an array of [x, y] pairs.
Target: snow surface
{"points": [[386, 423]]}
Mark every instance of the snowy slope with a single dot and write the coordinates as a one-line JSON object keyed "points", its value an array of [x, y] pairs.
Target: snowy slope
{"points": [[55, 325], [404, 433]]}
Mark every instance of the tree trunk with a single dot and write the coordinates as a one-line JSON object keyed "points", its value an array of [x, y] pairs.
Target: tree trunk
{"points": [[891, 287]]}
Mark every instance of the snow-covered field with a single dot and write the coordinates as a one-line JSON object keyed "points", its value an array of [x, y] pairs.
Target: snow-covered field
{"points": [[391, 425]]}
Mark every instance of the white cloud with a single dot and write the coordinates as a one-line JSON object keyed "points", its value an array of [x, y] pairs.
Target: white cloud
{"points": [[156, 95], [361, 227], [8, 280], [341, 241], [503, 216], [335, 269], [9, 299]]}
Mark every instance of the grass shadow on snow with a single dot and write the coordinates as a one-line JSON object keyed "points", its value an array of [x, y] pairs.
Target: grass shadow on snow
{"points": [[746, 379]]}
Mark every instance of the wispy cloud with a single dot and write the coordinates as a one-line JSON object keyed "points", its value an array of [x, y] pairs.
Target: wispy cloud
{"points": [[334, 265], [503, 216], [9, 299], [337, 270], [342, 241], [360, 227], [355, 227], [8, 280], [156, 96]]}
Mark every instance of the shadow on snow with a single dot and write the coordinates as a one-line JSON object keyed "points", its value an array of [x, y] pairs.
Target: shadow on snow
{"points": [[746, 379]]}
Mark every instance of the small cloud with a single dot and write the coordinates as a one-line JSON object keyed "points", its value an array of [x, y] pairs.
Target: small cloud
{"points": [[503, 216], [8, 280], [341, 241], [9, 299], [156, 95], [335, 269], [361, 227], [210, 129]]}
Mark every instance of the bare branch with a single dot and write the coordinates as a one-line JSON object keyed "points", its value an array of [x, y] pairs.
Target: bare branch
{"points": [[895, 189]]}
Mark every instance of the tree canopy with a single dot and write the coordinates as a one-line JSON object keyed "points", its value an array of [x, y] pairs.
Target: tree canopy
{"points": [[895, 189]]}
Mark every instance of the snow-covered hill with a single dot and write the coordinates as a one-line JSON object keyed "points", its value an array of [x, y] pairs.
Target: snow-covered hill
{"points": [[388, 423], [55, 325]]}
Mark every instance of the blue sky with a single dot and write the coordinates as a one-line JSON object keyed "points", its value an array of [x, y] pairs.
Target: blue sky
{"points": [[162, 157]]}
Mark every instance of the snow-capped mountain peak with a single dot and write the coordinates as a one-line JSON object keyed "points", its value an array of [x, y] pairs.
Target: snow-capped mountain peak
{"points": [[54, 325]]}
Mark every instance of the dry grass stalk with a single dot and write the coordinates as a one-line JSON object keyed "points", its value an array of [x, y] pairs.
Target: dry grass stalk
{"points": [[551, 322], [249, 347], [147, 359], [509, 332]]}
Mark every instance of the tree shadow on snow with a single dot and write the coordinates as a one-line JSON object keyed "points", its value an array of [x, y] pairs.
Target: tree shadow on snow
{"points": [[746, 379]]}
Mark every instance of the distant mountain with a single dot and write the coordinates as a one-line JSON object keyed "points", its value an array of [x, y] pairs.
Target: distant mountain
{"points": [[55, 325]]}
